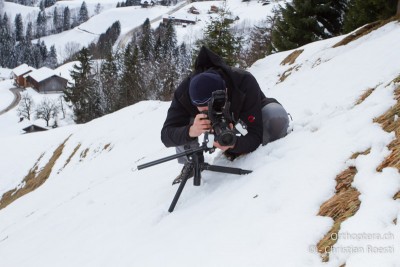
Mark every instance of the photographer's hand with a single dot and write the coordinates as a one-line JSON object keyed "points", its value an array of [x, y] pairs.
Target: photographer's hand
{"points": [[223, 148], [200, 125]]}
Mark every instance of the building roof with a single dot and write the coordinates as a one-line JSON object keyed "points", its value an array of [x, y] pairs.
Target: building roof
{"points": [[42, 74], [34, 128], [22, 69], [187, 17]]}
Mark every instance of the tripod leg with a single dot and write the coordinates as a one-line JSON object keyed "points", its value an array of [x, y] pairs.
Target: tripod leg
{"points": [[178, 192]]}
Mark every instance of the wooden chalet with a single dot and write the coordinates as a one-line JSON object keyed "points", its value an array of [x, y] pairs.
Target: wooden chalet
{"points": [[213, 9], [18, 75], [193, 10], [178, 20], [45, 80], [34, 128], [147, 3]]}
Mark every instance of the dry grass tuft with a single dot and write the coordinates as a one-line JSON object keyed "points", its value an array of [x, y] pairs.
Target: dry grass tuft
{"points": [[355, 155], [33, 179], [70, 157], [343, 205], [390, 122], [364, 31], [345, 179], [364, 96], [290, 59], [287, 73], [84, 154], [107, 146]]}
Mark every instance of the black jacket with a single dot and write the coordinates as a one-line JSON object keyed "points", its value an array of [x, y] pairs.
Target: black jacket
{"points": [[245, 96]]}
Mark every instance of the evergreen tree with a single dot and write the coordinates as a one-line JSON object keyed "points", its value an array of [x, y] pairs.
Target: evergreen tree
{"points": [[398, 8], [170, 40], [82, 93], [109, 82], [37, 55], [158, 49], [131, 86], [41, 6], [361, 12], [19, 28], [25, 49], [97, 10], [66, 19], [147, 42], [219, 37], [305, 21], [29, 34], [107, 40], [83, 13], [7, 44], [51, 60], [1, 7], [184, 62], [57, 22], [41, 24]]}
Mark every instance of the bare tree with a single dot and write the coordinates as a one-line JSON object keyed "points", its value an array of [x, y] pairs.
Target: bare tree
{"points": [[47, 110], [70, 50], [26, 105], [62, 108]]}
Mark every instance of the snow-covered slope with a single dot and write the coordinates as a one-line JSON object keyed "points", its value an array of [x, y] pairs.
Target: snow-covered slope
{"points": [[250, 13], [97, 209]]}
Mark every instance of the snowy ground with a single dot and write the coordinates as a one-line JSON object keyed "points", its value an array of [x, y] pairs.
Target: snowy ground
{"points": [[99, 210]]}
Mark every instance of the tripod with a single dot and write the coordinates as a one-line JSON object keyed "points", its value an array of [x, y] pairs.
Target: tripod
{"points": [[195, 165]]}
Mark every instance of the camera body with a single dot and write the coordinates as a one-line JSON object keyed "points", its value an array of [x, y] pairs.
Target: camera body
{"points": [[218, 114]]}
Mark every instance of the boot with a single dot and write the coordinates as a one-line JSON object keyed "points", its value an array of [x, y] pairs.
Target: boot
{"points": [[187, 170]]}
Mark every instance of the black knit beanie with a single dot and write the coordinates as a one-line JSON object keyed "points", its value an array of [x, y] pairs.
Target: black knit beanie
{"points": [[203, 85]]}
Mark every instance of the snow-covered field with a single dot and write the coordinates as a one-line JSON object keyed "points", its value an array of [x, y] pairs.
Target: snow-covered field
{"points": [[99, 210]]}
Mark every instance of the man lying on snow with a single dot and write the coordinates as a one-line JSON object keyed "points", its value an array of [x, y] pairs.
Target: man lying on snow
{"points": [[186, 120]]}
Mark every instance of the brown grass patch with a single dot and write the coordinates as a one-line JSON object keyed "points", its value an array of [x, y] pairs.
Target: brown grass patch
{"points": [[355, 155], [70, 157], [33, 179], [290, 59], [84, 154], [389, 123], [364, 96], [287, 73], [343, 205], [364, 31], [107, 146]]}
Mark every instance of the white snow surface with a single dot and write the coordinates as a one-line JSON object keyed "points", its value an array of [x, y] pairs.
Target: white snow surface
{"points": [[99, 210]]}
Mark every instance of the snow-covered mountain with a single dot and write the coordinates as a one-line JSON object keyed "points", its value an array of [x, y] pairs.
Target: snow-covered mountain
{"points": [[249, 13], [92, 207]]}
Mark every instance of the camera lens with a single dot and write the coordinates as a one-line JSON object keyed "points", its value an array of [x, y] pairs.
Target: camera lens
{"points": [[227, 139]]}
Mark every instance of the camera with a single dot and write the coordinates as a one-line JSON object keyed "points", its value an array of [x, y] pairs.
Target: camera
{"points": [[218, 114]]}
